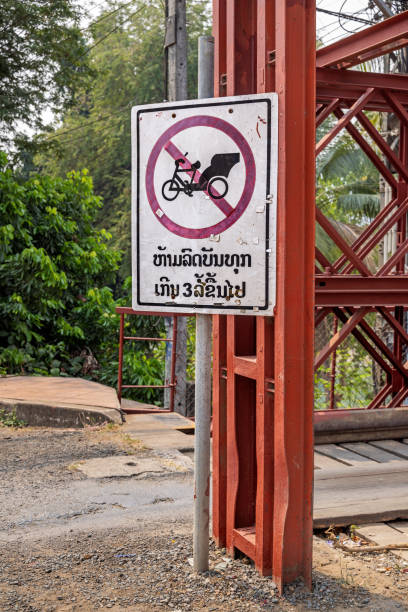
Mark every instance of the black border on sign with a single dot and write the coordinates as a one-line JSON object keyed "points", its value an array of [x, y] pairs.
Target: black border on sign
{"points": [[268, 182]]}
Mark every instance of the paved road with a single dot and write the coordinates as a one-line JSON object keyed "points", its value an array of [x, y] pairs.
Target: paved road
{"points": [[42, 490], [72, 543]]}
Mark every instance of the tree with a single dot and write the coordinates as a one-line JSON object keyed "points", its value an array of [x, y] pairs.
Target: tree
{"points": [[128, 62], [43, 59], [57, 314], [53, 270]]}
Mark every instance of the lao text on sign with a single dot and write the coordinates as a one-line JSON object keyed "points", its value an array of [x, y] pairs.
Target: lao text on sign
{"points": [[204, 205]]}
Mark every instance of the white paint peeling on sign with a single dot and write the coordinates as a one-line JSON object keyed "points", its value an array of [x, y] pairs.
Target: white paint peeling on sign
{"points": [[203, 212]]}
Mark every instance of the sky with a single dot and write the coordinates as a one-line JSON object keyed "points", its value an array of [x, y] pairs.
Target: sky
{"points": [[329, 27]]}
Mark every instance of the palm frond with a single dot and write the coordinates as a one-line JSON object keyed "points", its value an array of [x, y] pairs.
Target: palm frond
{"points": [[363, 204]]}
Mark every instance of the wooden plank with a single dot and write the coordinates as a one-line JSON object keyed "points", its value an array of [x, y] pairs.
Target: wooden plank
{"points": [[352, 498], [323, 462], [383, 534], [341, 454], [392, 446], [371, 468], [371, 452]]}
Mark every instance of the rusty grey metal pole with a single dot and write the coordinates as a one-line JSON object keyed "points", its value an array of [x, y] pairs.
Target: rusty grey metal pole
{"points": [[202, 442], [202, 447]]}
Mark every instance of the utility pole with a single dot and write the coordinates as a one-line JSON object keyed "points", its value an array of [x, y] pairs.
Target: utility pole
{"points": [[386, 11], [175, 46]]}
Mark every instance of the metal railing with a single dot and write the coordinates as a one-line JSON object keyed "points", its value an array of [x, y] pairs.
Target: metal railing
{"points": [[123, 311]]}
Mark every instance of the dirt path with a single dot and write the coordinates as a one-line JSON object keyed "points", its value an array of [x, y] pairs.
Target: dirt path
{"points": [[62, 551]]}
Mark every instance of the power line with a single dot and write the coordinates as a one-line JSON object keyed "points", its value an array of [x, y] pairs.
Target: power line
{"points": [[91, 122], [334, 38], [97, 42], [345, 16], [119, 8]]}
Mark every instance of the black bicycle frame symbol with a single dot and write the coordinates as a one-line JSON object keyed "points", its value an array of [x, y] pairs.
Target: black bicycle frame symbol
{"points": [[211, 180]]}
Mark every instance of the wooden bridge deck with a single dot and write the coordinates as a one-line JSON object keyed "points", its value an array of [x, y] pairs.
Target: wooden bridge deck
{"points": [[360, 482]]}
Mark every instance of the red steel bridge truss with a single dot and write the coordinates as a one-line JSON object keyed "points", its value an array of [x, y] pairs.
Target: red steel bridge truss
{"points": [[263, 366]]}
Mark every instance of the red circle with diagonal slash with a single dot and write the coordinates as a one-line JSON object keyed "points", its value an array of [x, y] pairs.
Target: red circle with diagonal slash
{"points": [[237, 137]]}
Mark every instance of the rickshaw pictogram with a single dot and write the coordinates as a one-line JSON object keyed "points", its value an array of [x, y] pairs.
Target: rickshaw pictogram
{"points": [[211, 180]]}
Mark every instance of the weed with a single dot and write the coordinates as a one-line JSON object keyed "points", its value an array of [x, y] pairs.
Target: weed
{"points": [[9, 419]]}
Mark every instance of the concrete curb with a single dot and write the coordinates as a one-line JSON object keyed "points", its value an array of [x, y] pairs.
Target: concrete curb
{"points": [[60, 415]]}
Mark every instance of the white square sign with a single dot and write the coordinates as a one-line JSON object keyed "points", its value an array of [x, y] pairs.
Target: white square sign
{"points": [[204, 205]]}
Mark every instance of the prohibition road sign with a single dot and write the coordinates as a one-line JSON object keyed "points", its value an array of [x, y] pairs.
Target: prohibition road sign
{"points": [[204, 205], [231, 214]]}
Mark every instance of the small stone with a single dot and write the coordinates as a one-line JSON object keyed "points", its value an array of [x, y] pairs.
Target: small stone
{"points": [[221, 566]]}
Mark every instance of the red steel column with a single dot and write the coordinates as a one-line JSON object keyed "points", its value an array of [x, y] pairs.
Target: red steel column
{"points": [[219, 430], [219, 420], [294, 327], [265, 47]]}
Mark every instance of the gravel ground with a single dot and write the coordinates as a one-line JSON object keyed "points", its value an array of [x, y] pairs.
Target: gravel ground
{"points": [[146, 565], [33, 461]]}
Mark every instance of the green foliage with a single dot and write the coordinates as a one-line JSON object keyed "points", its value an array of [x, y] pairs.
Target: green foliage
{"points": [[347, 187], [129, 69], [57, 314], [353, 384], [9, 419], [53, 265], [42, 62]]}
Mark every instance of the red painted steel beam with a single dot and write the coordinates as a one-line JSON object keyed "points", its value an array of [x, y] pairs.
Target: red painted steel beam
{"points": [[341, 243], [326, 111], [352, 83], [219, 430], [395, 259], [382, 144], [394, 324], [358, 105], [392, 358], [265, 41], [396, 105], [399, 398], [241, 47], [375, 239], [338, 337], [220, 46], [129, 311], [371, 350], [353, 290], [368, 232], [369, 151], [379, 399], [266, 499], [321, 314], [295, 78], [219, 416], [384, 37]]}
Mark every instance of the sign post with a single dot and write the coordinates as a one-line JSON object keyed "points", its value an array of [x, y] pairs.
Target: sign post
{"points": [[204, 231], [202, 412]]}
